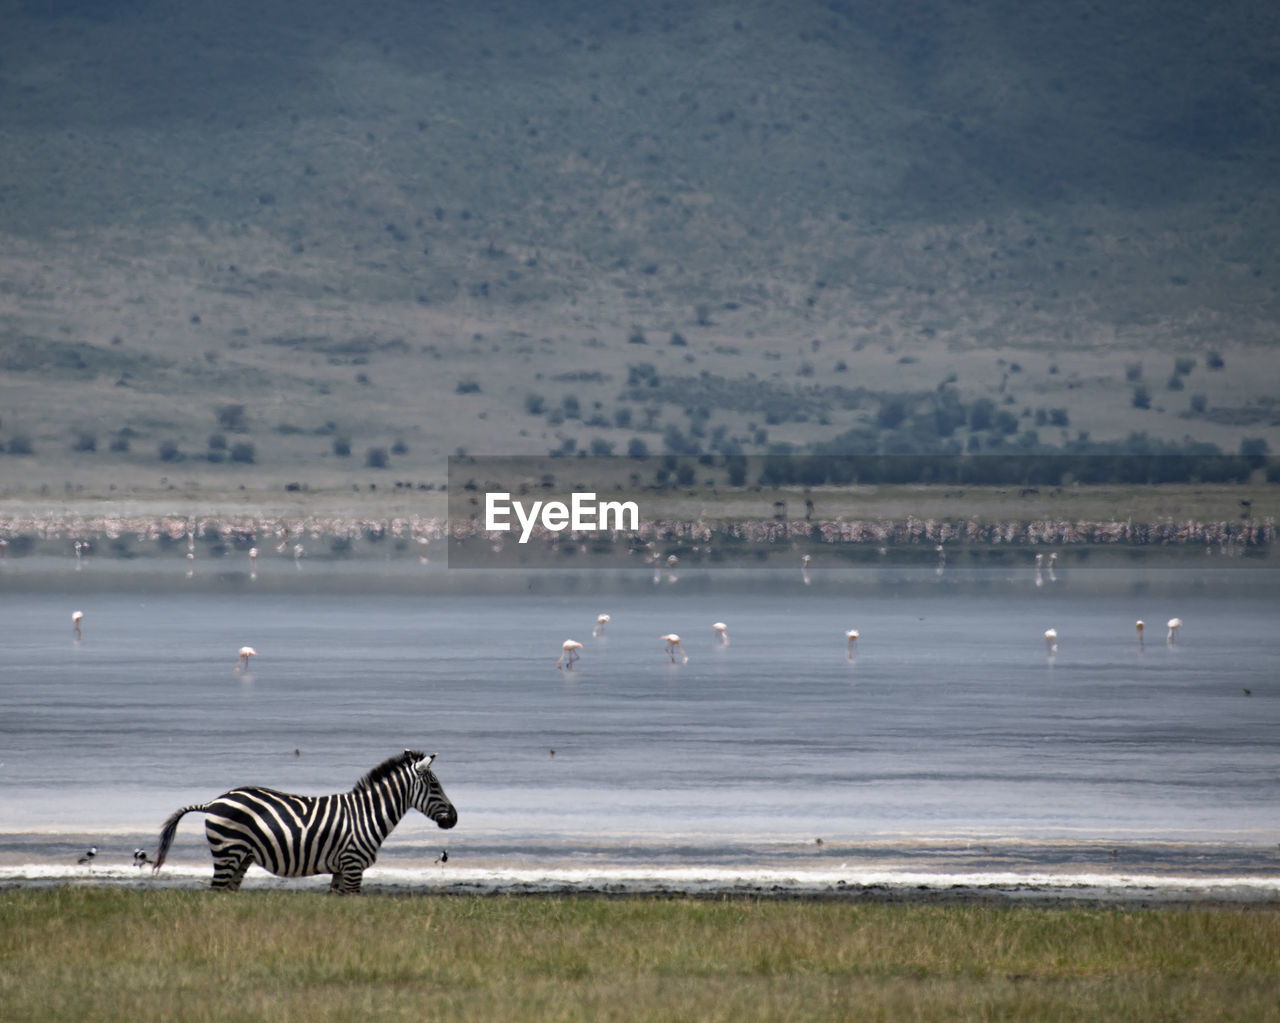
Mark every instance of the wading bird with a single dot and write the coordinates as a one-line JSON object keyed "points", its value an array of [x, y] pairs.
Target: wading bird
{"points": [[1174, 625], [1051, 640], [601, 622], [87, 858], [245, 653], [851, 637], [76, 618], [723, 631], [1139, 626], [568, 653], [673, 644]]}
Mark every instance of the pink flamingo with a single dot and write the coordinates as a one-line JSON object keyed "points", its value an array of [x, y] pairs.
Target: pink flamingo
{"points": [[673, 644], [568, 654], [851, 635]]}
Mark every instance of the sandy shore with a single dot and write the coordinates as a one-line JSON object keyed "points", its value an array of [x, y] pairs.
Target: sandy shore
{"points": [[937, 870], [1126, 890]]}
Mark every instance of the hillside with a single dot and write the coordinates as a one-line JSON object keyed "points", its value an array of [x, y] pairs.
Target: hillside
{"points": [[237, 242]]}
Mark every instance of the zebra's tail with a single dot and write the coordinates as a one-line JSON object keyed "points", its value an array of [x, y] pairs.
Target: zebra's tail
{"points": [[168, 831]]}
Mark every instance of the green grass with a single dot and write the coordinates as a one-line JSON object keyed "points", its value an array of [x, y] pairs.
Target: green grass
{"points": [[105, 955]]}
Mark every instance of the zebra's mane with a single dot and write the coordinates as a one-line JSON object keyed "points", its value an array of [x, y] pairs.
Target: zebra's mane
{"points": [[387, 768]]}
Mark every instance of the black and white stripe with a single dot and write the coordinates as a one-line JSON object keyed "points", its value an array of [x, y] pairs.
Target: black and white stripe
{"points": [[294, 836]]}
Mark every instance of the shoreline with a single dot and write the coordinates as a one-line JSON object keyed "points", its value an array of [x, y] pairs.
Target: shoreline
{"points": [[928, 870], [998, 888]]}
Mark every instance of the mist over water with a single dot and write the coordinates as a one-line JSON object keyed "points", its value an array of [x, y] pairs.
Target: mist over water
{"points": [[951, 723]]}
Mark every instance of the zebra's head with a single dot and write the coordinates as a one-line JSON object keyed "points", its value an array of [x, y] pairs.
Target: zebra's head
{"points": [[427, 794]]}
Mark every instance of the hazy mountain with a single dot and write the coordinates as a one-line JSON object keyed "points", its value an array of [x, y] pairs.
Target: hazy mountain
{"points": [[407, 221]]}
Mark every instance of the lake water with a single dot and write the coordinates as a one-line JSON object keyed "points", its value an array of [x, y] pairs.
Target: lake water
{"points": [[951, 739]]}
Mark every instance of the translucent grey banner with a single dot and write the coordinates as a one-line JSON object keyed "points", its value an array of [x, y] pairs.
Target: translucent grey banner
{"points": [[669, 513]]}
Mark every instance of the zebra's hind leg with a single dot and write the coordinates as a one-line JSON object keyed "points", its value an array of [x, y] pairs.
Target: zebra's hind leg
{"points": [[347, 881], [229, 869]]}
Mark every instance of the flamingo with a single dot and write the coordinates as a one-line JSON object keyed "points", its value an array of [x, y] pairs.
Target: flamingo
{"points": [[673, 644], [1139, 626], [601, 622], [723, 630], [1174, 625], [1051, 640], [851, 635], [245, 653], [76, 617], [568, 653]]}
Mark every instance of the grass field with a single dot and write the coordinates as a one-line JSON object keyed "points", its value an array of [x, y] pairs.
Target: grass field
{"points": [[74, 953]]}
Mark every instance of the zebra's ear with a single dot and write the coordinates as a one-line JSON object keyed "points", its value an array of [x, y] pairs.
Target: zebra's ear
{"points": [[424, 764]]}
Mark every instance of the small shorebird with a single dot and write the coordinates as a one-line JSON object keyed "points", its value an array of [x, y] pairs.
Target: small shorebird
{"points": [[87, 858]]}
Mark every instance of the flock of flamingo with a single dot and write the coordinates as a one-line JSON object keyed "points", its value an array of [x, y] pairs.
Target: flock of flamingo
{"points": [[285, 532], [569, 649], [1173, 625]]}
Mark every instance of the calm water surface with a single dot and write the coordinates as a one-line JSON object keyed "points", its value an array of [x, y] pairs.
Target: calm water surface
{"points": [[951, 722]]}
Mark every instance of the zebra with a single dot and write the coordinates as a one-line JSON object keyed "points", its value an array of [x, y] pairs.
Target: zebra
{"points": [[294, 836]]}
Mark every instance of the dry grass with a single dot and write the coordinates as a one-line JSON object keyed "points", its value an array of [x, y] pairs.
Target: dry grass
{"points": [[110, 955]]}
